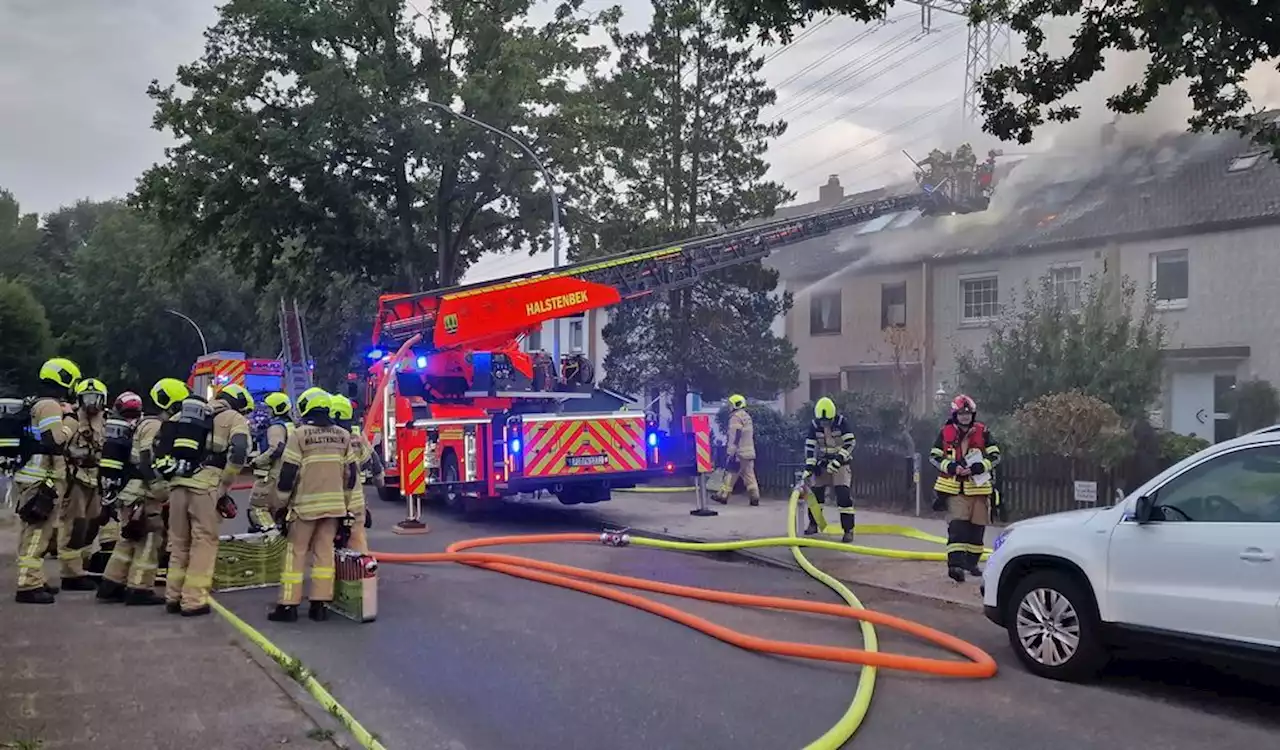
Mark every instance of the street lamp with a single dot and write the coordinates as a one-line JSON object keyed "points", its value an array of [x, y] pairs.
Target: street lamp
{"points": [[551, 187], [199, 332]]}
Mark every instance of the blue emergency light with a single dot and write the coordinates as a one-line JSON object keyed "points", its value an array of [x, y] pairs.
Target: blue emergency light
{"points": [[422, 363], [653, 439], [374, 354], [515, 445]]}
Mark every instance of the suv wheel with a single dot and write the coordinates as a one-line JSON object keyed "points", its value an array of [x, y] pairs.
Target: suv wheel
{"points": [[1054, 627]]}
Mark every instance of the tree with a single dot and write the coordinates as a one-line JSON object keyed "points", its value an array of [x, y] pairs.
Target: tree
{"points": [[310, 122], [1109, 348], [1071, 424], [1212, 45], [26, 342], [1254, 404], [684, 155]]}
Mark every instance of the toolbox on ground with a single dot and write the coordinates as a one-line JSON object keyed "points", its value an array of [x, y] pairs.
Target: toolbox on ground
{"points": [[248, 561]]}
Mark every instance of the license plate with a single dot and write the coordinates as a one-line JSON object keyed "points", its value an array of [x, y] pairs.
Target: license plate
{"points": [[587, 460]]}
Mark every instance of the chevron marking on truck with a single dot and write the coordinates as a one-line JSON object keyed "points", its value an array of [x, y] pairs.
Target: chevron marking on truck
{"points": [[229, 371], [585, 446], [415, 482]]}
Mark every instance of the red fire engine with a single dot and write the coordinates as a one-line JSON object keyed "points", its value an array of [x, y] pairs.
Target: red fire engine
{"points": [[460, 412], [217, 369]]}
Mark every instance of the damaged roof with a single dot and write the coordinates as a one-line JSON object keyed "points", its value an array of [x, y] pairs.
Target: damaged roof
{"points": [[1179, 183]]}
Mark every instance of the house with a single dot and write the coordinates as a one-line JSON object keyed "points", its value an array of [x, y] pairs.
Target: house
{"points": [[1196, 218]]}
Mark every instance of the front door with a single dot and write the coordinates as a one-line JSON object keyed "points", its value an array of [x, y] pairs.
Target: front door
{"points": [[1191, 400], [1209, 564]]}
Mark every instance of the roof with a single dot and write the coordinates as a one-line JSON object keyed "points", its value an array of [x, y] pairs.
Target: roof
{"points": [[1179, 183]]}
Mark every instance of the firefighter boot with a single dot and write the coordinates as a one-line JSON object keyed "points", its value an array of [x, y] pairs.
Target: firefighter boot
{"points": [[319, 611], [173, 608], [847, 523], [197, 612], [142, 598], [284, 613], [79, 583], [34, 596], [956, 573], [111, 592]]}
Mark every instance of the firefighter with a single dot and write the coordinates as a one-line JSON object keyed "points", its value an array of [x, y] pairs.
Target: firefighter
{"points": [[200, 452], [964, 454], [263, 503], [828, 453], [319, 478], [131, 572], [114, 472], [81, 504], [741, 445], [343, 414], [42, 479]]}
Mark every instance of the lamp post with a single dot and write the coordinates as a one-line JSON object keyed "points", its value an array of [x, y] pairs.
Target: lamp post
{"points": [[199, 332], [551, 187]]}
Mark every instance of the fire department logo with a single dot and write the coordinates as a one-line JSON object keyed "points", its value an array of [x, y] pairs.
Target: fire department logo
{"points": [[451, 323]]}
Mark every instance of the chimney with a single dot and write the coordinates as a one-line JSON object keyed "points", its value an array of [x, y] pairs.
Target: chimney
{"points": [[831, 193]]}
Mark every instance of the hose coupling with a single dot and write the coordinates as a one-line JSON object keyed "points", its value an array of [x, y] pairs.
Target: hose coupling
{"points": [[615, 538]]}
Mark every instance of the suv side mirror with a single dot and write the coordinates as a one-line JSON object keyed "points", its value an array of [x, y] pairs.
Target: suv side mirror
{"points": [[1144, 509]]}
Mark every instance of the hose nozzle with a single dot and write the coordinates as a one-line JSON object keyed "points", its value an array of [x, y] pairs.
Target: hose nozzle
{"points": [[616, 537]]}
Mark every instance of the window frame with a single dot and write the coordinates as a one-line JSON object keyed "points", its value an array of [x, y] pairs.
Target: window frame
{"points": [[814, 300], [1173, 303], [885, 323], [962, 280], [1078, 303], [533, 341], [823, 376], [576, 327], [1154, 492]]}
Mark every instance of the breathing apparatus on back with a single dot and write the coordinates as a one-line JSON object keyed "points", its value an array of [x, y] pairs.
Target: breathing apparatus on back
{"points": [[183, 442]]}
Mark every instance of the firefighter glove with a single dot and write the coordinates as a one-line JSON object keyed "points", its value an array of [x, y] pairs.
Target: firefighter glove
{"points": [[976, 467], [833, 464], [227, 507], [343, 537]]}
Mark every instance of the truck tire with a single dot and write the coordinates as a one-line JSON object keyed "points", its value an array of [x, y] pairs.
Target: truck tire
{"points": [[390, 494], [1054, 627]]}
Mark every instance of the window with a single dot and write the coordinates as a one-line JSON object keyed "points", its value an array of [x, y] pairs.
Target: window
{"points": [[979, 299], [1244, 161], [533, 342], [824, 313], [893, 305], [1170, 278], [823, 385], [575, 336], [1242, 486], [1067, 283]]}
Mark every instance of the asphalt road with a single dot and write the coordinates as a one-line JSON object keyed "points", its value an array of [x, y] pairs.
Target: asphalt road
{"points": [[468, 659]]}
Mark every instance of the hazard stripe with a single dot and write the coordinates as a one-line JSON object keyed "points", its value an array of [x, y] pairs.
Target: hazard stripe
{"points": [[544, 447], [555, 447], [628, 444], [416, 474]]}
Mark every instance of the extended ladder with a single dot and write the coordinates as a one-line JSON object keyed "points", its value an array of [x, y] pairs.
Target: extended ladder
{"points": [[297, 360]]}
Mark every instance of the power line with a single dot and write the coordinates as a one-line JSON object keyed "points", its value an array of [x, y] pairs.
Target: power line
{"points": [[799, 73], [803, 35]]}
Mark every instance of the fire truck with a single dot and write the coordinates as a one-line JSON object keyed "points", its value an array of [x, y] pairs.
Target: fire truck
{"points": [[217, 369], [460, 412]]}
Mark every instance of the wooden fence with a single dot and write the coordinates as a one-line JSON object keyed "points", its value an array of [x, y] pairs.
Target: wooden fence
{"points": [[1029, 485]]}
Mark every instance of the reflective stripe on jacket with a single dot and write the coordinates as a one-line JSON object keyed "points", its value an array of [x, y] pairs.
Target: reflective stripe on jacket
{"points": [[949, 452]]}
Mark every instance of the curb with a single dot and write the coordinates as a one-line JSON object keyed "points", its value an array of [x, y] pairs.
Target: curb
{"points": [[763, 559], [339, 736]]}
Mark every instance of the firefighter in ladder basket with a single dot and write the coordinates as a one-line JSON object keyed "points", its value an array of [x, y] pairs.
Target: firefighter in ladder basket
{"points": [[964, 454]]}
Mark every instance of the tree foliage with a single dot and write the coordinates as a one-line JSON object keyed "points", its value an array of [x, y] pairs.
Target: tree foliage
{"points": [[313, 123], [26, 341], [1254, 404], [1213, 45], [1110, 348], [1071, 424], [684, 147]]}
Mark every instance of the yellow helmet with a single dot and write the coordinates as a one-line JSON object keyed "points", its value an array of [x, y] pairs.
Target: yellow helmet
{"points": [[91, 393], [167, 393], [278, 403], [60, 371], [313, 400], [236, 397], [340, 407], [737, 401], [824, 409]]}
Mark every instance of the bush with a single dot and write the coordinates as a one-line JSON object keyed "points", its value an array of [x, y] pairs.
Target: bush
{"points": [[1175, 446], [1072, 424], [878, 419], [1254, 404]]}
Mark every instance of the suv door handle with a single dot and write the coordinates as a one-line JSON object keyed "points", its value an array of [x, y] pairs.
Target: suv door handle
{"points": [[1253, 554]]}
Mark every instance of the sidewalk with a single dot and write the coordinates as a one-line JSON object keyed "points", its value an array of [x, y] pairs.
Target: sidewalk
{"points": [[79, 674], [667, 513]]}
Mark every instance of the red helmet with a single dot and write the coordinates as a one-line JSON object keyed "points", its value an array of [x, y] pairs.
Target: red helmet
{"points": [[128, 403], [963, 403]]}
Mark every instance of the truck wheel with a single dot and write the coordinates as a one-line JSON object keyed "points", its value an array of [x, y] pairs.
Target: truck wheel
{"points": [[1054, 627], [449, 473], [390, 494]]}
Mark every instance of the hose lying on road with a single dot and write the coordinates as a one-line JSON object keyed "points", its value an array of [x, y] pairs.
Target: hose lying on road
{"points": [[978, 663]]}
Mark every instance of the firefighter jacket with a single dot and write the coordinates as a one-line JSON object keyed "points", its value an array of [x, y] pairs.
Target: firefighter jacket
{"points": [[955, 448], [84, 447], [267, 465], [828, 450], [51, 433], [228, 450], [319, 471], [144, 482], [742, 441]]}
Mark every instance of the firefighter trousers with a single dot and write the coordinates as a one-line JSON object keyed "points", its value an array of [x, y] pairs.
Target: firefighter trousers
{"points": [[967, 519], [80, 504], [263, 503], [308, 539], [134, 563], [746, 469], [844, 501], [34, 540], [193, 545]]}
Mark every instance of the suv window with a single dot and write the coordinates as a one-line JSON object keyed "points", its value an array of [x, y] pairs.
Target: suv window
{"points": [[1242, 486]]}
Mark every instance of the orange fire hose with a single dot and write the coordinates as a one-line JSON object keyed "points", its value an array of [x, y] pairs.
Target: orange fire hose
{"points": [[979, 664]]}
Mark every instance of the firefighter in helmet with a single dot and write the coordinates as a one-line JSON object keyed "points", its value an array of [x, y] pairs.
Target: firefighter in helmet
{"points": [[263, 502], [964, 454], [114, 473], [82, 505], [828, 455], [200, 453], [343, 413], [319, 478], [741, 448], [131, 572], [41, 481]]}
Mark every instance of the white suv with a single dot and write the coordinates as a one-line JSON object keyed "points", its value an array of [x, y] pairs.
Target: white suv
{"points": [[1189, 563]]}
